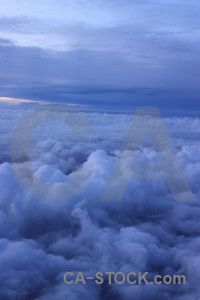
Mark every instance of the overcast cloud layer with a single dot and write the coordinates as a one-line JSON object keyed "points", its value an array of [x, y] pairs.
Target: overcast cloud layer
{"points": [[101, 52], [147, 231]]}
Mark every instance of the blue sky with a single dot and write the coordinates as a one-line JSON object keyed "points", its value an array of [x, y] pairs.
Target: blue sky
{"points": [[101, 53]]}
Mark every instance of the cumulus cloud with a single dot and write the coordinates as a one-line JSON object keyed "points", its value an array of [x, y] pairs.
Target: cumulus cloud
{"points": [[146, 231]]}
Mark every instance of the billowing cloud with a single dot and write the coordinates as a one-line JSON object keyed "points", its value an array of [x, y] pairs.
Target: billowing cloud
{"points": [[146, 231]]}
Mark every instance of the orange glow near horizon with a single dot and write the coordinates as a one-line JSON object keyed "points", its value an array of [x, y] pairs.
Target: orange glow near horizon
{"points": [[17, 101]]}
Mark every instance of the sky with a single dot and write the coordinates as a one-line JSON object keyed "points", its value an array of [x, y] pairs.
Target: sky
{"points": [[101, 53], [103, 58]]}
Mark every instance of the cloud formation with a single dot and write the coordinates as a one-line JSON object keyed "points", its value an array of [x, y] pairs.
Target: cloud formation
{"points": [[147, 231]]}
